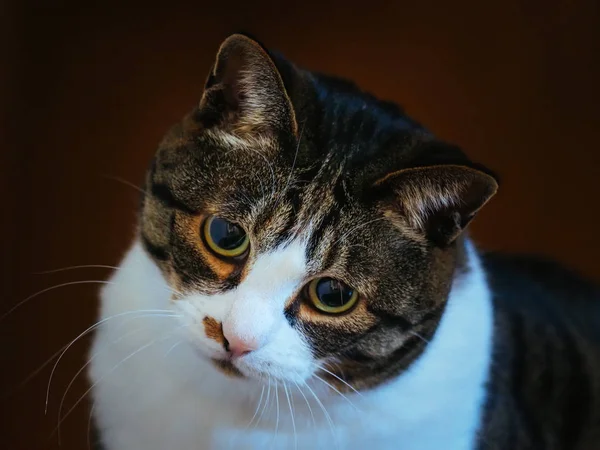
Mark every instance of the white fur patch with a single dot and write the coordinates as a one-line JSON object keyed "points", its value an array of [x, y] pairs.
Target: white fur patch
{"points": [[168, 397], [253, 312]]}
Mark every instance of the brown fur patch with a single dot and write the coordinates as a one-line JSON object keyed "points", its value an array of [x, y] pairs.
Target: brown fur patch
{"points": [[191, 226], [213, 330]]}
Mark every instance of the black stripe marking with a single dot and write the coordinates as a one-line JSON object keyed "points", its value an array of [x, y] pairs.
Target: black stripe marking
{"points": [[163, 193], [291, 312], [315, 239], [392, 321], [292, 198], [412, 344]]}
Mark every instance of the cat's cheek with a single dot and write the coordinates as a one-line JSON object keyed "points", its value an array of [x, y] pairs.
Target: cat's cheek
{"points": [[194, 328], [203, 347]]}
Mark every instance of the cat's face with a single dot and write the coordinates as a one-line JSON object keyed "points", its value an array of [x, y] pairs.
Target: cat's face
{"points": [[306, 227]]}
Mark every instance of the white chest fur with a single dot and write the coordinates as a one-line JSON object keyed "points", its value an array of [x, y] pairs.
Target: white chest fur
{"points": [[153, 392]]}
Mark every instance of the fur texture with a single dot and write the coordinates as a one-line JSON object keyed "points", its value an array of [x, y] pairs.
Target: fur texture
{"points": [[180, 401], [205, 347]]}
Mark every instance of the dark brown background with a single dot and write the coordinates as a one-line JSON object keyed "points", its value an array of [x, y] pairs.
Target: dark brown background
{"points": [[89, 91]]}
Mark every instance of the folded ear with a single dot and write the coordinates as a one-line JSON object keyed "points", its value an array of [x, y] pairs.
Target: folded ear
{"points": [[244, 91], [438, 201]]}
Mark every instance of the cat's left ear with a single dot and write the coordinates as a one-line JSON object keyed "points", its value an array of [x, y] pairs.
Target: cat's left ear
{"points": [[438, 201], [244, 92]]}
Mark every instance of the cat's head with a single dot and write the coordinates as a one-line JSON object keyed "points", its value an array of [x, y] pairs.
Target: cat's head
{"points": [[305, 224]]}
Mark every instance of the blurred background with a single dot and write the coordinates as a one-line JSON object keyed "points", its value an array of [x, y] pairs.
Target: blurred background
{"points": [[88, 90]]}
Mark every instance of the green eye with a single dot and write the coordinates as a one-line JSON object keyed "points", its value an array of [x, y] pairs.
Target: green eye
{"points": [[331, 296], [225, 238]]}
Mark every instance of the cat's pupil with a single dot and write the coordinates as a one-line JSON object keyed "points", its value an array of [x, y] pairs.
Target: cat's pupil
{"points": [[225, 234], [333, 293]]}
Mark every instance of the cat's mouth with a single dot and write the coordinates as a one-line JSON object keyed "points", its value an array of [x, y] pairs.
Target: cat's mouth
{"points": [[227, 367]]}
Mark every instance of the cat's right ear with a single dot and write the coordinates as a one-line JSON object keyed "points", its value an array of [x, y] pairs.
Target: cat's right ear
{"points": [[437, 201], [244, 92]]}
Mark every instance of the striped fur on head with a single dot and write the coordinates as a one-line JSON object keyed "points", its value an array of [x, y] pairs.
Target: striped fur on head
{"points": [[367, 195]]}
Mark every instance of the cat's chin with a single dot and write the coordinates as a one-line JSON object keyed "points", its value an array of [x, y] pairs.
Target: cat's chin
{"points": [[227, 367]]}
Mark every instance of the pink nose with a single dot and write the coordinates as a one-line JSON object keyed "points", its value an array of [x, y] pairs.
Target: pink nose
{"points": [[238, 346]]}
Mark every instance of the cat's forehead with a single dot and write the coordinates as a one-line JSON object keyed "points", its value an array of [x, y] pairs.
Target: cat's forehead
{"points": [[272, 190], [313, 186], [308, 189]]}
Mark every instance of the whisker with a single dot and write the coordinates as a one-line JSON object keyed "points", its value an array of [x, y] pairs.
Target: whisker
{"points": [[307, 404], [89, 361], [70, 283], [89, 425], [88, 330], [124, 360], [325, 413], [32, 375], [337, 391], [43, 291], [339, 378], [235, 436], [126, 183], [287, 395], [277, 417], [265, 405], [83, 266], [415, 334], [175, 345], [339, 367], [262, 392]]}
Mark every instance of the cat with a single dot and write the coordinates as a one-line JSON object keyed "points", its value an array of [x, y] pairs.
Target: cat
{"points": [[302, 278]]}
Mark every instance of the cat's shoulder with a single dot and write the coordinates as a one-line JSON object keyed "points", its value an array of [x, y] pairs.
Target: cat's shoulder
{"points": [[544, 291]]}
